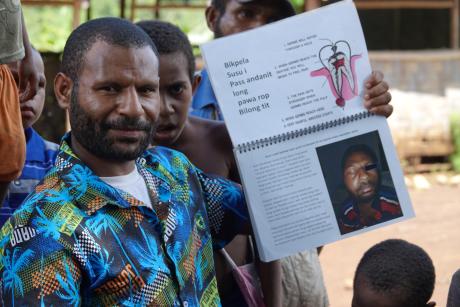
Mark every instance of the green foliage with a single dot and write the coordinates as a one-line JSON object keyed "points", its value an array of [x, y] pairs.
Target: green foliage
{"points": [[455, 130], [48, 27]]}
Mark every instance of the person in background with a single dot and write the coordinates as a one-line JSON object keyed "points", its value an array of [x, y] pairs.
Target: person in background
{"points": [[14, 46], [40, 154], [394, 273], [453, 298]]}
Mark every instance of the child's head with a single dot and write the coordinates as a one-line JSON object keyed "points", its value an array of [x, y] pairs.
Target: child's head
{"points": [[177, 81], [32, 109], [394, 273]]}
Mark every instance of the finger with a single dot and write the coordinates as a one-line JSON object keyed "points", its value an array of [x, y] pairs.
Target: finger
{"points": [[375, 78], [380, 100], [29, 88], [377, 90], [385, 110]]}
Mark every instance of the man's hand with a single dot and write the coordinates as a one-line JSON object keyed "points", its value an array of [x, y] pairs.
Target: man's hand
{"points": [[376, 95], [28, 78], [28, 72]]}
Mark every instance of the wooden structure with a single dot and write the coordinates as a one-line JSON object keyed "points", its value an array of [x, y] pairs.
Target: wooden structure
{"points": [[157, 5], [162, 4], [451, 5], [75, 4]]}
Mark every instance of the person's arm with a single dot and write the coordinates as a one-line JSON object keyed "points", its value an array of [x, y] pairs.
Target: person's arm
{"points": [[270, 278], [377, 98], [3, 191], [35, 265], [28, 72]]}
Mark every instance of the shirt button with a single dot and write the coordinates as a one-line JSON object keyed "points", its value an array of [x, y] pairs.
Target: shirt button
{"points": [[17, 182], [185, 304]]}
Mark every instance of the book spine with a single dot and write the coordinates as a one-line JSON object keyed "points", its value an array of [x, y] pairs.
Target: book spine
{"points": [[265, 142]]}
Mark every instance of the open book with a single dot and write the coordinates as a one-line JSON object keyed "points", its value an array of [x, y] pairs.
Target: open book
{"points": [[316, 166]]}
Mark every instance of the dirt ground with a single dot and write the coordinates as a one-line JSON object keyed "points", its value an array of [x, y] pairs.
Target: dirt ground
{"points": [[436, 228]]}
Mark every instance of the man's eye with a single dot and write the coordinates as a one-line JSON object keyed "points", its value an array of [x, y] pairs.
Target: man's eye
{"points": [[246, 14], [370, 167], [110, 88], [176, 89], [147, 90]]}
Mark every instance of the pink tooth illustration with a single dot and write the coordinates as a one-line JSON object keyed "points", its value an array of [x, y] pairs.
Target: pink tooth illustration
{"points": [[339, 70]]}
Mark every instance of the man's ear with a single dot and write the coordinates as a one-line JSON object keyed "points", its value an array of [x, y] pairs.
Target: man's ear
{"points": [[195, 83], [63, 86], [212, 17], [431, 304]]}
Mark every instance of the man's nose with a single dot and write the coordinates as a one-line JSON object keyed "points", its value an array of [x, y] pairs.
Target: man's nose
{"points": [[166, 107], [363, 174], [131, 105]]}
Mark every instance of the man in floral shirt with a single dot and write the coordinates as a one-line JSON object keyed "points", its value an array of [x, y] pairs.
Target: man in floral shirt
{"points": [[112, 223]]}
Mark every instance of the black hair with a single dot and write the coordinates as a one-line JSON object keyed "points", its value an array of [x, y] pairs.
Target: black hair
{"points": [[358, 148], [220, 5], [168, 39], [114, 31], [398, 269], [284, 6]]}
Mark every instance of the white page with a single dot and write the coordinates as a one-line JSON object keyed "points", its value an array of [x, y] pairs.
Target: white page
{"points": [[283, 56], [291, 186]]}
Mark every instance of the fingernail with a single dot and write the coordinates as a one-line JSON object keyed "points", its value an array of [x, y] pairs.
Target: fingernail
{"points": [[366, 96]]}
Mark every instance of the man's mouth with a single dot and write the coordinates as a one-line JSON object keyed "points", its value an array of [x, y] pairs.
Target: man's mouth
{"points": [[366, 189], [128, 133], [165, 132]]}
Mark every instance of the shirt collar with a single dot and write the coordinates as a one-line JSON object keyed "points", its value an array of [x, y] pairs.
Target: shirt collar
{"points": [[86, 190], [35, 150], [204, 95]]}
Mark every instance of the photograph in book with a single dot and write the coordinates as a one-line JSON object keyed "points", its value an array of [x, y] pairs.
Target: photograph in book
{"points": [[359, 182]]}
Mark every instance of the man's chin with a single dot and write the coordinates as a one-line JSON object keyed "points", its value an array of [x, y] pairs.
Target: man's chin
{"points": [[366, 197]]}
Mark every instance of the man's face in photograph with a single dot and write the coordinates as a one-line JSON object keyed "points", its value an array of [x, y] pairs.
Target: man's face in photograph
{"points": [[361, 176]]}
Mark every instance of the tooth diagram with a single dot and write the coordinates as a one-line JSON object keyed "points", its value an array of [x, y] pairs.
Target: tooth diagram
{"points": [[339, 70]]}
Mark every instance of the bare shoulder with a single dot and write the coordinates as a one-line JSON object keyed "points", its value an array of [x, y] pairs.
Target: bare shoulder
{"points": [[213, 131], [214, 135]]}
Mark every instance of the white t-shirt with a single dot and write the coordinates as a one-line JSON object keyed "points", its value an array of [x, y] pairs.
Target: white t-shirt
{"points": [[133, 183]]}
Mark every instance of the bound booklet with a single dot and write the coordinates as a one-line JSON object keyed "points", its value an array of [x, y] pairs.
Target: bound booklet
{"points": [[316, 166]]}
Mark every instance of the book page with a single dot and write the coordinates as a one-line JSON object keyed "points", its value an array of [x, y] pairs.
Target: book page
{"points": [[292, 74], [306, 192]]}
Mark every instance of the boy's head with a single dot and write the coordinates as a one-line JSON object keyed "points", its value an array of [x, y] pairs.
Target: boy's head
{"points": [[226, 17], [177, 81], [32, 108], [394, 273]]}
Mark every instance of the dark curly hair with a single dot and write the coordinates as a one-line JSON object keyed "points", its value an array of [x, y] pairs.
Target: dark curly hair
{"points": [[397, 269], [114, 31], [168, 39]]}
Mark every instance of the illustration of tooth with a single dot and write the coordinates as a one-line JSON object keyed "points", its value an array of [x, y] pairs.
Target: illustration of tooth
{"points": [[338, 67]]}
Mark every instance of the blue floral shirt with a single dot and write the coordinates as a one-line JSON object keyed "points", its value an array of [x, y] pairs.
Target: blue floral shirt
{"points": [[79, 241]]}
